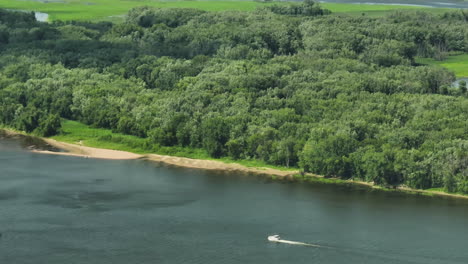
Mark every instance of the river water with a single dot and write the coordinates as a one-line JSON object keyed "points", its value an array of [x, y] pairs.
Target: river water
{"points": [[58, 209]]}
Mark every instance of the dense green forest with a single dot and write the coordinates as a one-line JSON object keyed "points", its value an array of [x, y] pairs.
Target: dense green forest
{"points": [[289, 85]]}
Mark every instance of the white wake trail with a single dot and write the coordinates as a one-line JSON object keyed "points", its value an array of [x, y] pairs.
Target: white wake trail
{"points": [[298, 243], [276, 239]]}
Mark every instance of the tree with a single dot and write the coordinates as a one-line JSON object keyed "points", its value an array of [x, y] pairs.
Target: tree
{"points": [[462, 86], [378, 166], [329, 155], [215, 136], [235, 148], [50, 126]]}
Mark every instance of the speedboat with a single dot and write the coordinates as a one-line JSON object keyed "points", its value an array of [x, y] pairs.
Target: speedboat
{"points": [[274, 238], [277, 239]]}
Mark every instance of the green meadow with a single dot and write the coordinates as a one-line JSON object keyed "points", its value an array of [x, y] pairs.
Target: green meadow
{"points": [[104, 9], [456, 63], [96, 10]]}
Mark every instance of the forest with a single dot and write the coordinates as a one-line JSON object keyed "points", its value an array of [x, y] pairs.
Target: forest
{"points": [[290, 85]]}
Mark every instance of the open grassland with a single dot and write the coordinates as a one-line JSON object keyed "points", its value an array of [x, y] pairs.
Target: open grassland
{"points": [[96, 10], [455, 63]]}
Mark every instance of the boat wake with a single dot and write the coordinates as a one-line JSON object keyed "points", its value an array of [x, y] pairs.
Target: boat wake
{"points": [[389, 256], [277, 239]]}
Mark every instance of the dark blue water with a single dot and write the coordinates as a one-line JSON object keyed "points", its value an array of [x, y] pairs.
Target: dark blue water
{"points": [[57, 209]]}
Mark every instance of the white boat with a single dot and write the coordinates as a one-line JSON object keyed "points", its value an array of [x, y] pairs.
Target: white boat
{"points": [[274, 238], [277, 239]]}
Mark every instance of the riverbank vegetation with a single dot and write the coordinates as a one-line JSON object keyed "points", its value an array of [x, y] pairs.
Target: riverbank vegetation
{"points": [[75, 132], [289, 86]]}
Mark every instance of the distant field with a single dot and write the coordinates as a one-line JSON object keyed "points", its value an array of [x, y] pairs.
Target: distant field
{"points": [[113, 9], [455, 63], [374, 10]]}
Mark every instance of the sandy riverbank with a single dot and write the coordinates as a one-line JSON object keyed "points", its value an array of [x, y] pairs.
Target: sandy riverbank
{"points": [[78, 150], [87, 152], [216, 165]]}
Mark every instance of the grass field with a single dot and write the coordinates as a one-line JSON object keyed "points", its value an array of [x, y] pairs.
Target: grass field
{"points": [[455, 63], [96, 10], [103, 9]]}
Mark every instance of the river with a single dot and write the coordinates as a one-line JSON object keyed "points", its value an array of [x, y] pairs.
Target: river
{"points": [[59, 209]]}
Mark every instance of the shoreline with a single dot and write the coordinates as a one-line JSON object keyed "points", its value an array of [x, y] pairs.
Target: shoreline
{"points": [[78, 150], [86, 152], [99, 153]]}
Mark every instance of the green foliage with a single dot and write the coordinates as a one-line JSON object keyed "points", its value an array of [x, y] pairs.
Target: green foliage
{"points": [[337, 96], [378, 166], [462, 86], [328, 153], [147, 17], [306, 8], [215, 136], [49, 126]]}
